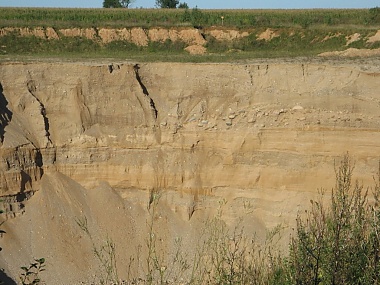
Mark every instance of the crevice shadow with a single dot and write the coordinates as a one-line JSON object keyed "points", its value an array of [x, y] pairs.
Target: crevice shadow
{"points": [[5, 113], [25, 179], [136, 68], [5, 279]]}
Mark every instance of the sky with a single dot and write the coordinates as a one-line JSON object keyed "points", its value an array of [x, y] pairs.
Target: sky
{"points": [[205, 4]]}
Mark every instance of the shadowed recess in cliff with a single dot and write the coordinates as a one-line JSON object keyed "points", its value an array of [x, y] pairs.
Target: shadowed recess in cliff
{"points": [[25, 179], [5, 113], [136, 68]]}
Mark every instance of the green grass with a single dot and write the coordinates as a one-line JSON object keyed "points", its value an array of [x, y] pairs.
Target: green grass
{"points": [[62, 18]]}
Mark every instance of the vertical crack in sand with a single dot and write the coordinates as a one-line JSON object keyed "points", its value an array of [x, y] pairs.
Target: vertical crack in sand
{"points": [[152, 105], [136, 68], [32, 89]]}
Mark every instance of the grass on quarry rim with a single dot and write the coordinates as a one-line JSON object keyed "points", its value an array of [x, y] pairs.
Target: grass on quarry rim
{"points": [[238, 57], [303, 43], [101, 17], [159, 56]]}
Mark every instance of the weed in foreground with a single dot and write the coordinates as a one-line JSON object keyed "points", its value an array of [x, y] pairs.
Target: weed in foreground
{"points": [[229, 256], [105, 254], [30, 274]]}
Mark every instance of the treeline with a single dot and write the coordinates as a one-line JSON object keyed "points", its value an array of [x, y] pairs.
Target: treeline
{"points": [[61, 18]]}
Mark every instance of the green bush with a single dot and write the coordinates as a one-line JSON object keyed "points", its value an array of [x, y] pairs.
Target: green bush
{"points": [[338, 244]]}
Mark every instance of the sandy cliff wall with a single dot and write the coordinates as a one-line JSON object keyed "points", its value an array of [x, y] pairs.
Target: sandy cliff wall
{"points": [[196, 127], [265, 134], [187, 125]]}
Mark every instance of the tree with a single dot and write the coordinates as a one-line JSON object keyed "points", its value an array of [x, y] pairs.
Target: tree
{"points": [[117, 3], [183, 5], [111, 4], [126, 3], [167, 3]]}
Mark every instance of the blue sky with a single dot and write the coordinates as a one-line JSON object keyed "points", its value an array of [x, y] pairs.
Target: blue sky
{"points": [[205, 4]]}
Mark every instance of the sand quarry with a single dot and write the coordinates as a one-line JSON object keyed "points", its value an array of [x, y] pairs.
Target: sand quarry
{"points": [[97, 141]]}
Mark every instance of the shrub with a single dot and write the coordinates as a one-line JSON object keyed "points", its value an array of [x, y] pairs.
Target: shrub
{"points": [[338, 244]]}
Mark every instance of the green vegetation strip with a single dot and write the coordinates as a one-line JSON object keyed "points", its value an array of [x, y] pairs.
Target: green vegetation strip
{"points": [[288, 42], [63, 18]]}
